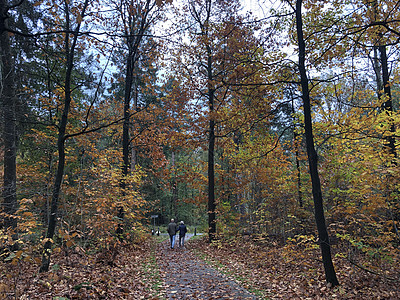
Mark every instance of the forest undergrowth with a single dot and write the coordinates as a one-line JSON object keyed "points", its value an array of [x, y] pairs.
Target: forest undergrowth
{"points": [[292, 271], [127, 271], [267, 268]]}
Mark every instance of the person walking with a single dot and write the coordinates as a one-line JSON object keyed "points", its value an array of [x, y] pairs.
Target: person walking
{"points": [[182, 232], [172, 230]]}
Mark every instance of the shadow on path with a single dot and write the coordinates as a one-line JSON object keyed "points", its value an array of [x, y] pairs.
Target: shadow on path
{"points": [[188, 277]]}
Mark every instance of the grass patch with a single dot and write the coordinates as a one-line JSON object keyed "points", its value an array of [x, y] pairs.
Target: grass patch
{"points": [[160, 238], [197, 236], [152, 270]]}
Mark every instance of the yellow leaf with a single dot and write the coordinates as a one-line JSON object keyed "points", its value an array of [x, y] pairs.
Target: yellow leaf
{"points": [[18, 254]]}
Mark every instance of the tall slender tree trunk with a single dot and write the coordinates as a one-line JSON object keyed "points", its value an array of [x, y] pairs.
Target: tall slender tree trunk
{"points": [[212, 225], [127, 112], [388, 104], [381, 69], [390, 145], [312, 157], [134, 37], [69, 52], [212, 206], [210, 97], [8, 94], [130, 63], [134, 151], [174, 196]]}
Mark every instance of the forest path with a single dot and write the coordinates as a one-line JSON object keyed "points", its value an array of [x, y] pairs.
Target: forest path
{"points": [[188, 277]]}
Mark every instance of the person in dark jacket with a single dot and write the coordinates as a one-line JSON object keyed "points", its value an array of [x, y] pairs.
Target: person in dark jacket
{"points": [[182, 231], [172, 230]]}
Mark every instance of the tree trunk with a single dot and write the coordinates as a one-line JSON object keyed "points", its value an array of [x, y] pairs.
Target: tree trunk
{"points": [[133, 41], [212, 226], [381, 70], [70, 51], [387, 105], [125, 135], [127, 114], [312, 157], [134, 152], [174, 196], [212, 222], [8, 94]]}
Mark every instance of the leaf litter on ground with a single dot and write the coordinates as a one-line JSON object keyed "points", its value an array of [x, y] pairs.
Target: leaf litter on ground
{"points": [[268, 270], [275, 271]]}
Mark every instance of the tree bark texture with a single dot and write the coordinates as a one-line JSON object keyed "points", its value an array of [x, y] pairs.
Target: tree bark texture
{"points": [[8, 94], [387, 105], [211, 173], [174, 187], [204, 26], [69, 52], [212, 205], [136, 26], [127, 113], [312, 156], [134, 38]]}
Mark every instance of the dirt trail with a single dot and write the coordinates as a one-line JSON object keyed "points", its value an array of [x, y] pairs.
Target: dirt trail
{"points": [[188, 277]]}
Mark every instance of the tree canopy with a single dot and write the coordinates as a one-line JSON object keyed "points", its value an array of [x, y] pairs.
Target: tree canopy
{"points": [[120, 115]]}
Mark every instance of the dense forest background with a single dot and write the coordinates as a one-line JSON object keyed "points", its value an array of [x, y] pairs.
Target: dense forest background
{"points": [[199, 110]]}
